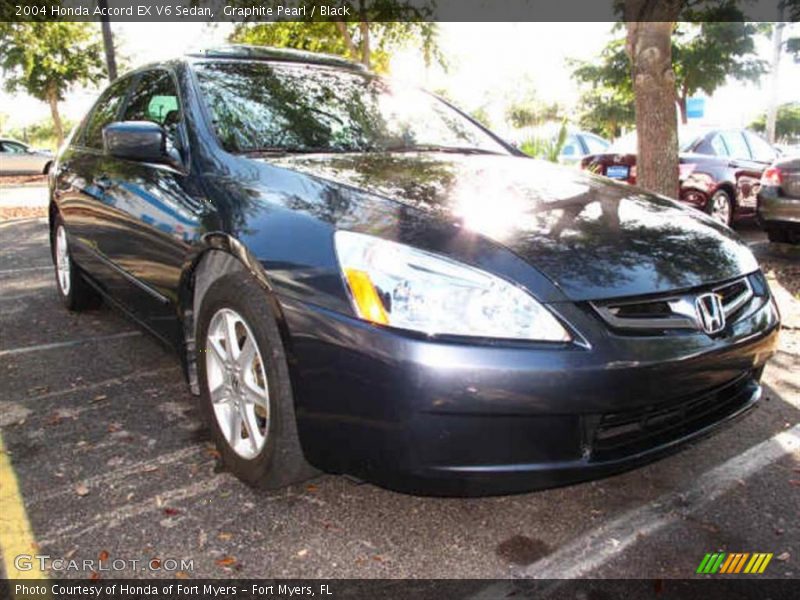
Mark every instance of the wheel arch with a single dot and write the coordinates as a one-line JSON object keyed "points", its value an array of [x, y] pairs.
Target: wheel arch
{"points": [[219, 256]]}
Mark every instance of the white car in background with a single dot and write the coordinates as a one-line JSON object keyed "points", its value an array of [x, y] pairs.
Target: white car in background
{"points": [[17, 158]]}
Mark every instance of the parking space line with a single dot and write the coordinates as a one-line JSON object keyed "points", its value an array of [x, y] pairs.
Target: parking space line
{"points": [[101, 338], [112, 478], [101, 384], [25, 270], [16, 535], [590, 551], [116, 517]]}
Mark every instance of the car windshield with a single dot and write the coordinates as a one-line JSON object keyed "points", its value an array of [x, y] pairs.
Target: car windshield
{"points": [[260, 107], [627, 143]]}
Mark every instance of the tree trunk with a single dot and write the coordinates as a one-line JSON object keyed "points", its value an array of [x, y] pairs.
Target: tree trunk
{"points": [[348, 39], [52, 100], [682, 108], [365, 42], [650, 52], [108, 41]]}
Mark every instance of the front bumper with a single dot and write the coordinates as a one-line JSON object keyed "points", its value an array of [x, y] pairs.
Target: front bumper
{"points": [[450, 418]]}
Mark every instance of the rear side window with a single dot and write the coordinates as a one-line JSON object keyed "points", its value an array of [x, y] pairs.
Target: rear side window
{"points": [[12, 148], [105, 112], [737, 147], [761, 150], [595, 145], [155, 98], [571, 147]]}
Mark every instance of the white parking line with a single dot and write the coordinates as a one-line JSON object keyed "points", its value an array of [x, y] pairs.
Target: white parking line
{"points": [[26, 270], [102, 338], [590, 551]]}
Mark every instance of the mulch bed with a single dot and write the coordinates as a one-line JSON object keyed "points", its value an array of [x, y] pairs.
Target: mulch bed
{"points": [[21, 212], [22, 179]]}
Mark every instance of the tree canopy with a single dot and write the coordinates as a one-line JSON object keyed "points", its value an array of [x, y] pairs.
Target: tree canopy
{"points": [[384, 26], [787, 124], [704, 56], [45, 60]]}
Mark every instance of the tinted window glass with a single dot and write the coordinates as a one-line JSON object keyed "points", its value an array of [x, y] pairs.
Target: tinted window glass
{"points": [[737, 148], [105, 112], [760, 149], [155, 98], [257, 106], [571, 147], [595, 145], [13, 148]]}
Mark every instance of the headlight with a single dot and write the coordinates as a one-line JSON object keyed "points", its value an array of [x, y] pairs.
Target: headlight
{"points": [[396, 285]]}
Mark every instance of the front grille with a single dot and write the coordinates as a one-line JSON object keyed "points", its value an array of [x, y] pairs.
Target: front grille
{"points": [[672, 311], [624, 433]]}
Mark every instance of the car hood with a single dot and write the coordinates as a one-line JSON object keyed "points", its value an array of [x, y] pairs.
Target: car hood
{"points": [[593, 238]]}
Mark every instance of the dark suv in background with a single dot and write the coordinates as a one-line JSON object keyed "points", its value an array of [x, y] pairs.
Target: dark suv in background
{"points": [[361, 279], [720, 169]]}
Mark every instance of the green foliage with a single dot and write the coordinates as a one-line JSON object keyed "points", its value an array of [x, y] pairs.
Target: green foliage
{"points": [[384, 26], [704, 56], [787, 122], [531, 113], [606, 111], [39, 135], [481, 115], [45, 60], [546, 148]]}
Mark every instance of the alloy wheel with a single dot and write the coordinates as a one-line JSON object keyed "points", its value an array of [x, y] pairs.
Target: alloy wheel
{"points": [[62, 260], [237, 383], [721, 208]]}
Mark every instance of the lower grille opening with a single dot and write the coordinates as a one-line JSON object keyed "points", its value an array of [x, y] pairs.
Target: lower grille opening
{"points": [[621, 434]]}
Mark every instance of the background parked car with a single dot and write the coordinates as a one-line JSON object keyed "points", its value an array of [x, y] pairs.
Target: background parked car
{"points": [[17, 158], [577, 144], [720, 169], [779, 201]]}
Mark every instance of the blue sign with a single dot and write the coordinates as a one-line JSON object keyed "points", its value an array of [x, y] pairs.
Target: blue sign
{"points": [[695, 108]]}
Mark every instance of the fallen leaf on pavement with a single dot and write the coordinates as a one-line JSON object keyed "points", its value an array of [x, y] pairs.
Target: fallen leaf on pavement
{"points": [[181, 575], [783, 557], [99, 398], [302, 553], [171, 512], [226, 561], [103, 556], [81, 490], [224, 536]]}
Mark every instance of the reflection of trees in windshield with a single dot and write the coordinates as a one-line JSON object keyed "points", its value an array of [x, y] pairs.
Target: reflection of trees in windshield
{"points": [[257, 106]]}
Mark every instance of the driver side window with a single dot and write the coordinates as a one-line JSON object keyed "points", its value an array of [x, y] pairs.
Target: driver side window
{"points": [[155, 99]]}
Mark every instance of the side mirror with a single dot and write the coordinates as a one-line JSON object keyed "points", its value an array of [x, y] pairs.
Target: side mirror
{"points": [[143, 141]]}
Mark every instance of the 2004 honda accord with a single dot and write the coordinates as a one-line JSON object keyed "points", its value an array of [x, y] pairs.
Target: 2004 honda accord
{"points": [[360, 279]]}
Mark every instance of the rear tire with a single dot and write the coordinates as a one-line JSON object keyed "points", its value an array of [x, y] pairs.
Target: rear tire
{"points": [[720, 207], [777, 235], [75, 293], [261, 445]]}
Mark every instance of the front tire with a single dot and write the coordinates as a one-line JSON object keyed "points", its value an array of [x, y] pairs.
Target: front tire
{"points": [[720, 207], [246, 395], [75, 293]]}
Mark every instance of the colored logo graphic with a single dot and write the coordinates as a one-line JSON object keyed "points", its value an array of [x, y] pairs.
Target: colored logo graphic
{"points": [[743, 562]]}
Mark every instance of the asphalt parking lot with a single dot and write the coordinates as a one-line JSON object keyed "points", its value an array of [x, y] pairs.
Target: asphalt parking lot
{"points": [[112, 461]]}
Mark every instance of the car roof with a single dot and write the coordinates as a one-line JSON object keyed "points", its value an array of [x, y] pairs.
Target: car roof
{"points": [[270, 54], [13, 140]]}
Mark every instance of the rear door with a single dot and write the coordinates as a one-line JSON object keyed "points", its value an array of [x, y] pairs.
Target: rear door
{"points": [[80, 189], [14, 158], [154, 209], [747, 172]]}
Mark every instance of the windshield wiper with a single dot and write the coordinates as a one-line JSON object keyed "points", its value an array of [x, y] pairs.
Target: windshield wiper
{"points": [[283, 150], [438, 148]]}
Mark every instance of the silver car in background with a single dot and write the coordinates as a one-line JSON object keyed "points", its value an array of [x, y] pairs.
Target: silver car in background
{"points": [[17, 158]]}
